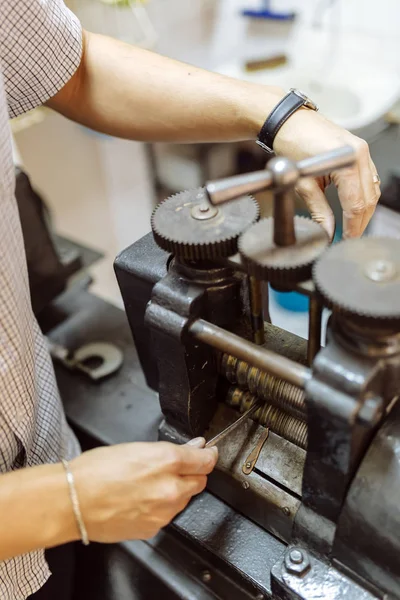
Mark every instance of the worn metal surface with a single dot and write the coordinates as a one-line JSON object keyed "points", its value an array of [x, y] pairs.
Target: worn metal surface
{"points": [[138, 268], [231, 428], [268, 495], [187, 369], [291, 429], [367, 538], [299, 575]]}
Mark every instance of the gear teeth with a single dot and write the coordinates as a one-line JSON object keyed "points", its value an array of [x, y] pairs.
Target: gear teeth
{"points": [[282, 265], [176, 231], [341, 282]]}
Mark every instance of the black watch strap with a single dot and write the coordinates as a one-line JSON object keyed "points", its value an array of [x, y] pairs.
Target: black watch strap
{"points": [[282, 111]]}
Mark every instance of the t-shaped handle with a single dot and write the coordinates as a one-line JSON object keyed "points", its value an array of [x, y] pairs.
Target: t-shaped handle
{"points": [[230, 188]]}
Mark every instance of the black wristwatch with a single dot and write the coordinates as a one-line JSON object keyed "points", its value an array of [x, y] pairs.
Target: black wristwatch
{"points": [[294, 100]]}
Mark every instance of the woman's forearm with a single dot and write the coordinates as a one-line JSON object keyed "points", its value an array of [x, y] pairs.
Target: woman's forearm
{"points": [[35, 510], [133, 93]]}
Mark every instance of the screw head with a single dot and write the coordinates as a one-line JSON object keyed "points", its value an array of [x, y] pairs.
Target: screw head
{"points": [[245, 485], [286, 511], [206, 576], [248, 465]]}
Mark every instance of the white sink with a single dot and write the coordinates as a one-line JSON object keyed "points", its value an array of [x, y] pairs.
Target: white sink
{"points": [[357, 90]]}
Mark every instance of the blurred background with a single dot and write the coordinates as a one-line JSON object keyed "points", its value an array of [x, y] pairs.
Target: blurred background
{"points": [[344, 53]]}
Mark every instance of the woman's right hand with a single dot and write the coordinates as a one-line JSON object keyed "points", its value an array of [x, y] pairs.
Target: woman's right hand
{"points": [[131, 491]]}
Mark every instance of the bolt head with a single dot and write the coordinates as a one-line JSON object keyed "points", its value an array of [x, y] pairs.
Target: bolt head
{"points": [[248, 465], [297, 562], [245, 485]]}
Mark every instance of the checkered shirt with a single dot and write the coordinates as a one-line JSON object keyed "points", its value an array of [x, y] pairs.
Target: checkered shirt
{"points": [[40, 49]]}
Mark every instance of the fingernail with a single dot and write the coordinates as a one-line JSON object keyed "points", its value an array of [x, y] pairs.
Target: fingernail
{"points": [[198, 442]]}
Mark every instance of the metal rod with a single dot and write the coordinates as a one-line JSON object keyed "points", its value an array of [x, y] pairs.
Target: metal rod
{"points": [[269, 361], [284, 233], [314, 329], [256, 308], [227, 189], [230, 188], [222, 434], [324, 164]]}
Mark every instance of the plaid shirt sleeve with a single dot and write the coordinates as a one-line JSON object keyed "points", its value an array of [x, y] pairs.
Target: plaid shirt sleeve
{"points": [[40, 50]]}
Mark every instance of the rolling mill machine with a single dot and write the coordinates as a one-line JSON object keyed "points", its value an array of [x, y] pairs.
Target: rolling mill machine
{"points": [[308, 436]]}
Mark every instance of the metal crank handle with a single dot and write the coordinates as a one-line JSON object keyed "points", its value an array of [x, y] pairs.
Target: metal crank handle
{"points": [[220, 436], [227, 189]]}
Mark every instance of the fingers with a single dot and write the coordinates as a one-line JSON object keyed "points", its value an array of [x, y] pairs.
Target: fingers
{"points": [[371, 205], [357, 191], [189, 460], [317, 204], [198, 442]]}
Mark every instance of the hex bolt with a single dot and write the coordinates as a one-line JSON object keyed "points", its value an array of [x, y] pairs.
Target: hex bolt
{"points": [[297, 562], [296, 556], [206, 576]]}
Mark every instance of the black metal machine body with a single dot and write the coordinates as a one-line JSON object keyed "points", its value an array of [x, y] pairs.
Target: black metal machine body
{"points": [[317, 465]]}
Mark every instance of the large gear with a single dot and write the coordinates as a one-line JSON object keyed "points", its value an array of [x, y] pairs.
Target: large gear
{"points": [[187, 225], [360, 279], [282, 265]]}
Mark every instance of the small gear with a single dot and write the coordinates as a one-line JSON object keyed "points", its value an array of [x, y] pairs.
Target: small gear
{"points": [[187, 225], [282, 265], [360, 278]]}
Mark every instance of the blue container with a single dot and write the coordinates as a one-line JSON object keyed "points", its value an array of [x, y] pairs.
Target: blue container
{"points": [[294, 301]]}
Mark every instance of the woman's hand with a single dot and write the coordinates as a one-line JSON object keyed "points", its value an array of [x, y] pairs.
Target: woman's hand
{"points": [[131, 491], [307, 133]]}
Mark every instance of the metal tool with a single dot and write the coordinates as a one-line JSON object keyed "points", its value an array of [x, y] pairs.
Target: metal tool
{"points": [[111, 358], [252, 458], [225, 190], [222, 434]]}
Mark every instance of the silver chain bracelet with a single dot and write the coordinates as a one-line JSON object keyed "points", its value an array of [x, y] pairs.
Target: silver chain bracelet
{"points": [[75, 503]]}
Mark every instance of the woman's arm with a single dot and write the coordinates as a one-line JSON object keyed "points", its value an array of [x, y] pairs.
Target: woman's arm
{"points": [[35, 510], [133, 93]]}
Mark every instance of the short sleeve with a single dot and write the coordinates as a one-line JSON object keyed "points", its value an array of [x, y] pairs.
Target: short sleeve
{"points": [[40, 50]]}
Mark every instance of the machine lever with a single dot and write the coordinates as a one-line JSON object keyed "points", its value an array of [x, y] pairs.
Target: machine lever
{"points": [[252, 458], [222, 434]]}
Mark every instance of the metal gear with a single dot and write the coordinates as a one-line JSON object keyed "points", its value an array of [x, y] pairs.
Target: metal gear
{"points": [[187, 225], [360, 278], [282, 265]]}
